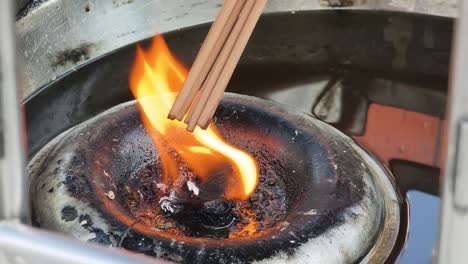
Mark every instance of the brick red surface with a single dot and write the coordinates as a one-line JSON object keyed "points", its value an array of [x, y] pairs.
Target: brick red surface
{"points": [[393, 133]]}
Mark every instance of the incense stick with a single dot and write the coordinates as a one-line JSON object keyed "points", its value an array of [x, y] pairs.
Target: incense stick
{"points": [[188, 90], [228, 70], [213, 70], [226, 49], [201, 101]]}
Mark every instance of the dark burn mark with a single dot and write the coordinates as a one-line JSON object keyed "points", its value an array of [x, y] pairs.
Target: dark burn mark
{"points": [[77, 160], [101, 237], [28, 7], [196, 4], [74, 56], [341, 3], [77, 185], [119, 3], [138, 243], [86, 221], [69, 213]]}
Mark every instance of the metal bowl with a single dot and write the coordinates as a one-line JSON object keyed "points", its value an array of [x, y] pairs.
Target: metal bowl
{"points": [[342, 206]]}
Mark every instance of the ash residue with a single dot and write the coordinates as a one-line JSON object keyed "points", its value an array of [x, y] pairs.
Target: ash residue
{"points": [[266, 207], [141, 195]]}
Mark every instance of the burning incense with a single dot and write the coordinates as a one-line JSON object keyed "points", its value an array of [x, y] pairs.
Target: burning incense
{"points": [[216, 62]]}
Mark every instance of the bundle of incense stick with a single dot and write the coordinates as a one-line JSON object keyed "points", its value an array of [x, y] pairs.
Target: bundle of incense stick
{"points": [[215, 63]]}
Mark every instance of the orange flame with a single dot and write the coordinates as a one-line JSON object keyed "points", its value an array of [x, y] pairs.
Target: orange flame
{"points": [[155, 78]]}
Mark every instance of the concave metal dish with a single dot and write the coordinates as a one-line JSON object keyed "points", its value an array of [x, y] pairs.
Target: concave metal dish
{"points": [[342, 206]]}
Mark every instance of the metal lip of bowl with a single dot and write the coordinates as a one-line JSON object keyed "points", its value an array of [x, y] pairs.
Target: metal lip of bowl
{"points": [[348, 212]]}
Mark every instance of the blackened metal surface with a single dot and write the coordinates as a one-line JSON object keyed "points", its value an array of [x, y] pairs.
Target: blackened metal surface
{"points": [[337, 198], [26, 6], [74, 56]]}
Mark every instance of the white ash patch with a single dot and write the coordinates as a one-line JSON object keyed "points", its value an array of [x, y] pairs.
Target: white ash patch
{"points": [[193, 187]]}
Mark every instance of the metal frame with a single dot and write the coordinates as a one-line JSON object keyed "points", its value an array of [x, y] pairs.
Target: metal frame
{"points": [[13, 193], [454, 216], [20, 243]]}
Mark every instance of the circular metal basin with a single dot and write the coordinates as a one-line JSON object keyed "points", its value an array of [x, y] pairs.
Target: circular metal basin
{"points": [[341, 205]]}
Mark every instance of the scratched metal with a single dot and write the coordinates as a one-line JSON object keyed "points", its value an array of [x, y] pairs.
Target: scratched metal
{"points": [[81, 31]]}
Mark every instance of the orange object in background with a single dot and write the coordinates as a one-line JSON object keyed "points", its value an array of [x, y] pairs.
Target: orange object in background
{"points": [[393, 133]]}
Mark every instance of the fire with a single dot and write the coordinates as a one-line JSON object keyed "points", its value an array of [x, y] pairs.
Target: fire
{"points": [[155, 78]]}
